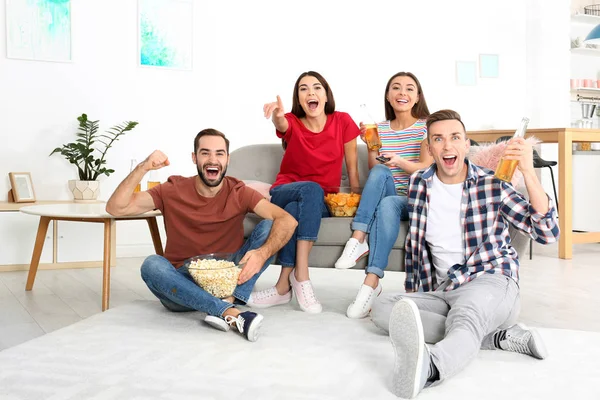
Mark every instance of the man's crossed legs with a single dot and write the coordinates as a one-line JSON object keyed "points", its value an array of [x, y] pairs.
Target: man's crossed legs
{"points": [[177, 291], [457, 323]]}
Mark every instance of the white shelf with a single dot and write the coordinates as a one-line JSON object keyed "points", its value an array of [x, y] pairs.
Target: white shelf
{"points": [[586, 18], [586, 51], [585, 89]]}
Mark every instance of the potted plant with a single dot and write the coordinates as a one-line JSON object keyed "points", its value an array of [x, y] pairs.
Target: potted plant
{"points": [[88, 153]]}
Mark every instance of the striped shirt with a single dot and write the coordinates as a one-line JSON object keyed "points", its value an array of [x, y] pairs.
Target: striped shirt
{"points": [[488, 206], [405, 143]]}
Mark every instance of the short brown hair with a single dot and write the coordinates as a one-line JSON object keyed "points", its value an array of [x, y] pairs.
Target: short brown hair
{"points": [[443, 115], [297, 109], [419, 110], [209, 132]]}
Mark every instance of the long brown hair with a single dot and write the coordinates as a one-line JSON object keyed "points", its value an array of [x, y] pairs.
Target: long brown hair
{"points": [[419, 110], [297, 109]]}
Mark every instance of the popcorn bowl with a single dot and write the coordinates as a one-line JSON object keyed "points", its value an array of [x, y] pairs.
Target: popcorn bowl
{"points": [[215, 273], [342, 201]]}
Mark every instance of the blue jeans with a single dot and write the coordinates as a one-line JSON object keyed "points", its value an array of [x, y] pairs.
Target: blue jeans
{"points": [[379, 214], [305, 201], [177, 291]]}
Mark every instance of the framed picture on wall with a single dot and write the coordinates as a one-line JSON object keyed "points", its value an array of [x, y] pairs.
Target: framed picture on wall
{"points": [[22, 187], [165, 33], [489, 65], [38, 30]]}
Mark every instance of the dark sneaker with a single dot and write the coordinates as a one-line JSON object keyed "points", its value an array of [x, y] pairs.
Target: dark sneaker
{"points": [[247, 323], [525, 341], [412, 359], [217, 323]]}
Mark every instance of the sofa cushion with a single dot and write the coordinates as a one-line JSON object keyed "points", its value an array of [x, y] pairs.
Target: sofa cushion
{"points": [[261, 187]]}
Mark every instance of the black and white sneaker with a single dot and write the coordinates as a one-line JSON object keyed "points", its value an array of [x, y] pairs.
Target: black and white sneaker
{"points": [[217, 323], [247, 323]]}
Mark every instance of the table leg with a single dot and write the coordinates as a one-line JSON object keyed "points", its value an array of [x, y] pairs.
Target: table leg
{"points": [[113, 243], [155, 233], [106, 264], [54, 241], [37, 251], [565, 195]]}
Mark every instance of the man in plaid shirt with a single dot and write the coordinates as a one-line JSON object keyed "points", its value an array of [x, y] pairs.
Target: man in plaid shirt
{"points": [[462, 273]]}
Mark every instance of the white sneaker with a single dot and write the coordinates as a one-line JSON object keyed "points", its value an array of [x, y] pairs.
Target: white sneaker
{"points": [[361, 306], [268, 298], [353, 251], [305, 294], [217, 323]]}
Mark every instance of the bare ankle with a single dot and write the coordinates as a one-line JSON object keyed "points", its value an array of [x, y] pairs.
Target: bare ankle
{"points": [[233, 312], [359, 235], [372, 280], [282, 288]]}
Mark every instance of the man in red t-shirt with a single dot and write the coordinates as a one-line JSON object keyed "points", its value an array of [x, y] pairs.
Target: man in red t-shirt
{"points": [[204, 214]]}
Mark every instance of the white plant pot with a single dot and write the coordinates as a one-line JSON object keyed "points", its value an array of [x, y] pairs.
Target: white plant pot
{"points": [[84, 191]]}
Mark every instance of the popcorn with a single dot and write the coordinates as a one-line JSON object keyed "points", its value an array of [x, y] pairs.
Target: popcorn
{"points": [[217, 277], [342, 204]]}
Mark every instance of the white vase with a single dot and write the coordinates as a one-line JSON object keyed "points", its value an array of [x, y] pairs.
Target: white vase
{"points": [[84, 191]]}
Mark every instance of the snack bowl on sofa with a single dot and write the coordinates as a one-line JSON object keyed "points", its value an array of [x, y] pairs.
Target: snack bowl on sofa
{"points": [[215, 273], [342, 201]]}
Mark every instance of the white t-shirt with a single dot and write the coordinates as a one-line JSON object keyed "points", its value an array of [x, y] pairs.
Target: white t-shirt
{"points": [[444, 233]]}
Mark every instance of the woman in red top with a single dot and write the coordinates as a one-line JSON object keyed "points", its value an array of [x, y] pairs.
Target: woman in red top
{"points": [[317, 139]]}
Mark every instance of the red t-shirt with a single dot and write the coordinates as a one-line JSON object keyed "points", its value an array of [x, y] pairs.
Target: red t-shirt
{"points": [[316, 157], [201, 225]]}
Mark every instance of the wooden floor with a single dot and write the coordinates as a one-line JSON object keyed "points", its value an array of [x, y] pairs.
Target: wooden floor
{"points": [[555, 293]]}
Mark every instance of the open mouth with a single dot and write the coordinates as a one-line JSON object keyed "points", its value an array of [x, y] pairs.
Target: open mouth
{"points": [[449, 161], [313, 104], [401, 101], [212, 172]]}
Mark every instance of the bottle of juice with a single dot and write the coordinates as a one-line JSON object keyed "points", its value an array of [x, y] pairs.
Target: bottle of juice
{"points": [[153, 179], [506, 168], [133, 165], [372, 134]]}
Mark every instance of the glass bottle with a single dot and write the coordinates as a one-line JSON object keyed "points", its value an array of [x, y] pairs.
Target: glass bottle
{"points": [[371, 133], [506, 168], [153, 179], [139, 185]]}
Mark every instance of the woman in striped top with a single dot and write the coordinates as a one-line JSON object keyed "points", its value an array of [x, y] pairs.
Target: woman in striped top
{"points": [[383, 198]]}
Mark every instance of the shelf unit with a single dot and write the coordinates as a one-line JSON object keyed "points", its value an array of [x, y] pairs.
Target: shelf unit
{"points": [[585, 89], [586, 51], [585, 63], [586, 18]]}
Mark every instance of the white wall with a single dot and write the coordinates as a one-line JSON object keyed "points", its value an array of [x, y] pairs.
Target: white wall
{"points": [[245, 53]]}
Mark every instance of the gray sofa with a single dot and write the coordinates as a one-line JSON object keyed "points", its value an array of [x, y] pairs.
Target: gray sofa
{"points": [[260, 162]]}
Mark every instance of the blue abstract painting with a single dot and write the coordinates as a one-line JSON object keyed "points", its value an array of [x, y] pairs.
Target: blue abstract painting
{"points": [[166, 33], [38, 30]]}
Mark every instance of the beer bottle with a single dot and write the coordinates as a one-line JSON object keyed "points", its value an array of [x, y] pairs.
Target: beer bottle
{"points": [[133, 165], [506, 168], [371, 134]]}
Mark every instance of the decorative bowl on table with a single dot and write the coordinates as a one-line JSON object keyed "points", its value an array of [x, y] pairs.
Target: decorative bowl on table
{"points": [[342, 201], [215, 273]]}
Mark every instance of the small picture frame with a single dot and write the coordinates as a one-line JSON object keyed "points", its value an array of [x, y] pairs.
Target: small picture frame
{"points": [[22, 187], [466, 73], [489, 66]]}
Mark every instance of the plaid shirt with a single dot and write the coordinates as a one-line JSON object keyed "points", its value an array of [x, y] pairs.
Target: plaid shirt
{"points": [[488, 206]]}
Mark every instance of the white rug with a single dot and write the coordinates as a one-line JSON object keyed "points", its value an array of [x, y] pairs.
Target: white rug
{"points": [[142, 351]]}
